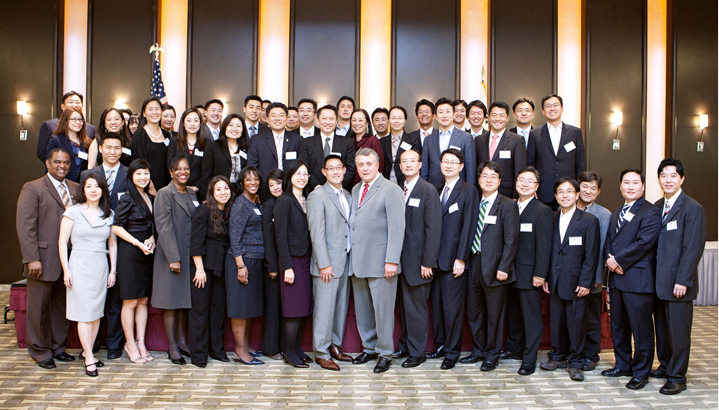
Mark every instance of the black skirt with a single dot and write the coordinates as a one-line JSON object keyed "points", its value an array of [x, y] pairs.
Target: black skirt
{"points": [[244, 301], [134, 271]]}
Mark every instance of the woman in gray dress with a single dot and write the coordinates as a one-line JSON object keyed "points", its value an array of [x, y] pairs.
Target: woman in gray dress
{"points": [[174, 206], [88, 225]]}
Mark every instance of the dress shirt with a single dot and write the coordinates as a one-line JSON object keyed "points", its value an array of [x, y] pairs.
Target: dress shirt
{"points": [[491, 133], [409, 186], [346, 210], [215, 132], [279, 142], [451, 184], [564, 220], [57, 184], [555, 134], [524, 133], [671, 201], [475, 135], [247, 127], [424, 134], [444, 139], [332, 140], [523, 204], [342, 131], [490, 201], [371, 182], [115, 169], [394, 142], [306, 133]]}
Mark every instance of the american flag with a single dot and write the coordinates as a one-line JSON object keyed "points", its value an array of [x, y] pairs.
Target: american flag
{"points": [[158, 89]]}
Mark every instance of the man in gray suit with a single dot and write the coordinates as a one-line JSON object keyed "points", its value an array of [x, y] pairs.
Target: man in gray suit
{"points": [[377, 222], [328, 215]]}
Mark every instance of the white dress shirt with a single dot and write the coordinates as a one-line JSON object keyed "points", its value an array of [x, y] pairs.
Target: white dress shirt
{"points": [[490, 201], [409, 186], [424, 134], [448, 184], [524, 204], [306, 133], [279, 143], [671, 201], [215, 132], [564, 220], [57, 184], [555, 134], [248, 125]]}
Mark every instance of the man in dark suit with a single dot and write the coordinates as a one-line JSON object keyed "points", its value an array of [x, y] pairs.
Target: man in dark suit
{"points": [[273, 148], [380, 122], [396, 143], [575, 251], [477, 113], [459, 201], [447, 136], [679, 249], [313, 150], [523, 110], [423, 227], [345, 107], [556, 149], [115, 175], [69, 99], [531, 266], [497, 238], [425, 111], [214, 109], [253, 111], [630, 256], [306, 109], [503, 147], [40, 207]]}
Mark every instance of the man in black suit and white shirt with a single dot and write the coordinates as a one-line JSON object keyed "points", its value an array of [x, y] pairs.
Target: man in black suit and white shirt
{"points": [[306, 109], [523, 110], [396, 143], [213, 109], [425, 111], [253, 110], [69, 99], [476, 113]]}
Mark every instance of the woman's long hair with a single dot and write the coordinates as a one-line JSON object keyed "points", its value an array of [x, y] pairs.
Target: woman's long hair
{"points": [[131, 188], [293, 167], [62, 127], [182, 133], [124, 132], [143, 120], [104, 199], [219, 216], [242, 142], [369, 129]]}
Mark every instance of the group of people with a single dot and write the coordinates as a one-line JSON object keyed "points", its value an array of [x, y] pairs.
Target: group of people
{"points": [[278, 215]]}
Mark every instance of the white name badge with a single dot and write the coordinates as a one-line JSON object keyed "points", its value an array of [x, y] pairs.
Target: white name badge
{"points": [[167, 142], [82, 155], [243, 154], [405, 146], [490, 219], [196, 203], [290, 155], [570, 146], [257, 211], [127, 151], [199, 153], [628, 216], [339, 154], [415, 202], [575, 241], [455, 147], [525, 227], [506, 154], [672, 226], [119, 195], [453, 208]]}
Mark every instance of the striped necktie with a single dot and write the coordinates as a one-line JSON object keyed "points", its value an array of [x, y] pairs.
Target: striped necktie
{"points": [[65, 196], [480, 227], [110, 177], [620, 221], [667, 208]]}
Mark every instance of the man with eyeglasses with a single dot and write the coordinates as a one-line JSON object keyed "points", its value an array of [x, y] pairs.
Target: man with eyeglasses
{"points": [[523, 110], [69, 99], [397, 143], [306, 110], [575, 251]]}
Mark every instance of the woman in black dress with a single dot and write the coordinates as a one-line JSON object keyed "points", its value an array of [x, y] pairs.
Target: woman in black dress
{"points": [[272, 320], [209, 243], [190, 141], [135, 225], [112, 120], [150, 143], [228, 155], [293, 246], [244, 264]]}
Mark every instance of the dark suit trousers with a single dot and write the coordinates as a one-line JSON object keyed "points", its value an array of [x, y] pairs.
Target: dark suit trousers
{"points": [[437, 311], [47, 325], [206, 319], [485, 308], [414, 314], [530, 307], [593, 342], [450, 294], [402, 342], [115, 336], [631, 315], [569, 328], [515, 324], [272, 319], [673, 321]]}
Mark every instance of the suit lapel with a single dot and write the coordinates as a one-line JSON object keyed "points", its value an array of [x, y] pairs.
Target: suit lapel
{"points": [[53, 191], [573, 224], [333, 197], [564, 139], [547, 140], [453, 138], [370, 193], [526, 214], [176, 198], [633, 209], [452, 196], [413, 195], [484, 142], [270, 138], [675, 209]]}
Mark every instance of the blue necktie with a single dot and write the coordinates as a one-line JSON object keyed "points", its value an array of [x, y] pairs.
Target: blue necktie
{"points": [[620, 221]]}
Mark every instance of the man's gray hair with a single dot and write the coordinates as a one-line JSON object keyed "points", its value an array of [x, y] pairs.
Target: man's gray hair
{"points": [[366, 152]]}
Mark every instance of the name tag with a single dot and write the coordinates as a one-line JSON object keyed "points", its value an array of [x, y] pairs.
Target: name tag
{"points": [[672, 226], [339, 154], [127, 151], [405, 146], [628, 216], [243, 154], [119, 195], [257, 211], [506, 154], [415, 203], [455, 147], [575, 241], [453, 208], [196, 203], [569, 147], [167, 142], [525, 227], [290, 155], [199, 153], [82, 155], [490, 219]]}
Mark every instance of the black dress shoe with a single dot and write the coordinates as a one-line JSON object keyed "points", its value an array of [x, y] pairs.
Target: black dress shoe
{"points": [[589, 365], [47, 364], [400, 354], [114, 354], [221, 358], [256, 353], [91, 373], [576, 374], [510, 355], [254, 362], [364, 358], [202, 365], [306, 359], [179, 361], [658, 374], [473, 358], [527, 369], [383, 365], [636, 383], [414, 361], [183, 352], [437, 353], [616, 372], [98, 363], [488, 365], [448, 364], [671, 387], [64, 357]]}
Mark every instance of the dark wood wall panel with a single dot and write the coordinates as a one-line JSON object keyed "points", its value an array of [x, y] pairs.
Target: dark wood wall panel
{"points": [[523, 57], [27, 47], [223, 50], [425, 53], [121, 66], [615, 81], [325, 50], [695, 92]]}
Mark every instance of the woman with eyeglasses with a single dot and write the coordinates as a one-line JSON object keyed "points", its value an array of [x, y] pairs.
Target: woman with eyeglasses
{"points": [[112, 120], [70, 135]]}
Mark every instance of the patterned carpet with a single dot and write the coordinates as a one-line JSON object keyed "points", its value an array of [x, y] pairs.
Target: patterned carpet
{"points": [[160, 384]]}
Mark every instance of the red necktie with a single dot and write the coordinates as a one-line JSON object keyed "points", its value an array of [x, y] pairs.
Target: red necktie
{"points": [[364, 193]]}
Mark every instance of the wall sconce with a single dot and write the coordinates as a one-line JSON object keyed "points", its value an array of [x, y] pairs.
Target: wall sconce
{"points": [[617, 118], [703, 123], [119, 104], [22, 110]]}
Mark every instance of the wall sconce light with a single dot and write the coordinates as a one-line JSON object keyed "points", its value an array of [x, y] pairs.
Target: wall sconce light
{"points": [[703, 123], [617, 118], [22, 110], [119, 104]]}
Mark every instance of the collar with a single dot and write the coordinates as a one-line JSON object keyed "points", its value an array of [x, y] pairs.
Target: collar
{"points": [[213, 128], [373, 181], [410, 185], [448, 132], [310, 130], [55, 182], [248, 124], [476, 134], [490, 199], [569, 214], [673, 199], [552, 128], [500, 133], [429, 131], [630, 204], [116, 168], [451, 183], [324, 137], [334, 189], [522, 204], [278, 135], [528, 129]]}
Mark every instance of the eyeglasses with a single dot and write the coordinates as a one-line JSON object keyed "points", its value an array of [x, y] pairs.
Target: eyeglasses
{"points": [[302, 174], [451, 163], [76, 119], [555, 105], [414, 161], [333, 169], [569, 192], [523, 181], [490, 177]]}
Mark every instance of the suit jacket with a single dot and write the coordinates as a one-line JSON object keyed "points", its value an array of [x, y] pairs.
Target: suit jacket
{"points": [[196, 159], [313, 154], [329, 227], [205, 242], [431, 167], [268, 235], [574, 265], [633, 247], [260, 128], [208, 132], [291, 231], [262, 154], [377, 228], [423, 229], [217, 161], [511, 155], [680, 249], [534, 249], [568, 162], [390, 162], [63, 141], [499, 240], [39, 212], [458, 227], [417, 134], [120, 185], [604, 217], [46, 130], [514, 130]]}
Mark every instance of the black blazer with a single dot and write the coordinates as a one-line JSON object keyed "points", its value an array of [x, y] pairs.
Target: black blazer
{"points": [[263, 154], [196, 158], [217, 161], [291, 231], [633, 247], [389, 162], [680, 249], [313, 154], [431, 167], [63, 141], [458, 227], [511, 145], [535, 244], [423, 227], [574, 265], [205, 242], [499, 240], [540, 155], [120, 181], [514, 130], [46, 130], [268, 234], [141, 145]]}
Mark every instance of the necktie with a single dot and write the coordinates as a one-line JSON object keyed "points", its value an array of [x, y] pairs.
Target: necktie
{"points": [[327, 146], [445, 194], [480, 226], [65, 196], [364, 193], [110, 177], [667, 208], [405, 191], [493, 146], [526, 138], [347, 215], [253, 131], [215, 134], [278, 147], [620, 221]]}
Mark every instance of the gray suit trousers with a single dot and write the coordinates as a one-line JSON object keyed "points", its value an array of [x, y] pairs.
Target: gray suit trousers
{"points": [[374, 308], [330, 313]]}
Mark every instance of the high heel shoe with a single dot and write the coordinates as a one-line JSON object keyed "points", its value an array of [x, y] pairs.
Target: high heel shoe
{"points": [[91, 373], [139, 358], [147, 358], [184, 352], [97, 363], [254, 362], [301, 365], [179, 361]]}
